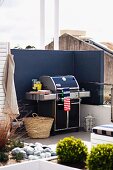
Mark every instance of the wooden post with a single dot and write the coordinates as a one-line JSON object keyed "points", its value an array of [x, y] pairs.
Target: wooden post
{"points": [[42, 24], [56, 24]]}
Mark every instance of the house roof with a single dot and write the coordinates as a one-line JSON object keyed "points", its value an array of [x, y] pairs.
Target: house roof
{"points": [[73, 42]]}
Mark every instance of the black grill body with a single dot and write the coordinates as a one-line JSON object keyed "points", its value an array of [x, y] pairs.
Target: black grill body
{"points": [[62, 86]]}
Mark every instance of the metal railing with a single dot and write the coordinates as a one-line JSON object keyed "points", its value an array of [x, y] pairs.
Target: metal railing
{"points": [[108, 100]]}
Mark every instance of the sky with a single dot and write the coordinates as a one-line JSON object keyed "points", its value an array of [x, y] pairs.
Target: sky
{"points": [[20, 20]]}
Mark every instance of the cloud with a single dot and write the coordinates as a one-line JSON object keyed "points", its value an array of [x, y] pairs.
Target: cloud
{"points": [[20, 19], [10, 3]]}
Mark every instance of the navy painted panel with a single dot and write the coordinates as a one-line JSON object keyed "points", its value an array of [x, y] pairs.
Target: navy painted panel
{"points": [[31, 64], [89, 66], [89, 71], [86, 66]]}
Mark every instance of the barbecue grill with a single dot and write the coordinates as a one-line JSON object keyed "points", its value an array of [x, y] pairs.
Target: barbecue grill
{"points": [[63, 100], [65, 86], [58, 83]]}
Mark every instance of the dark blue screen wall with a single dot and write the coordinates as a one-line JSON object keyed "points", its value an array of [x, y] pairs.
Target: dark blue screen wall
{"points": [[89, 71], [32, 64], [89, 66], [86, 66]]}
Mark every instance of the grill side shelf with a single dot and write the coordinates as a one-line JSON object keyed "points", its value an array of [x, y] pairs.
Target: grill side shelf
{"points": [[53, 96], [84, 94], [47, 97], [41, 97]]}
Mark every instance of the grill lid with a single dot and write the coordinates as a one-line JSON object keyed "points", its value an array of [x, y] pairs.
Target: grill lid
{"points": [[59, 82]]}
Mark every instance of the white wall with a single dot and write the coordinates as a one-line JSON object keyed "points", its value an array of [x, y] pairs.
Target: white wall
{"points": [[4, 50], [101, 113]]}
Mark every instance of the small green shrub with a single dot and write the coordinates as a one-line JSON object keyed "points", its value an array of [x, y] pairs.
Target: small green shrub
{"points": [[18, 157], [4, 157], [13, 143], [100, 157], [71, 150]]}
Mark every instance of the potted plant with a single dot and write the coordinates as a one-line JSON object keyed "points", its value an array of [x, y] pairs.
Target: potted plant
{"points": [[72, 152], [100, 157]]}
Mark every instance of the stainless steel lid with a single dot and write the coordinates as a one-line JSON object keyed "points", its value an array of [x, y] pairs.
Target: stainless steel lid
{"points": [[59, 82]]}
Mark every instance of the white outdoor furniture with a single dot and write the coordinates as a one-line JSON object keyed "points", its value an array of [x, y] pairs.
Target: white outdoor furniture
{"points": [[102, 134]]}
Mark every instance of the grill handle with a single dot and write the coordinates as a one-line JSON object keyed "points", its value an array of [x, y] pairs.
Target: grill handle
{"points": [[60, 104], [75, 103]]}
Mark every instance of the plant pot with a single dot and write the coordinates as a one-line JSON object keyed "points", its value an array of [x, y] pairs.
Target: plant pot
{"points": [[36, 165], [53, 161]]}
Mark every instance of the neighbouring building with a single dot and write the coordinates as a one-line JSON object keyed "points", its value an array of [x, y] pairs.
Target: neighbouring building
{"points": [[80, 42]]}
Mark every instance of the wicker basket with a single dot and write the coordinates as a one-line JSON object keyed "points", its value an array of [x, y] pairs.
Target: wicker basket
{"points": [[38, 127]]}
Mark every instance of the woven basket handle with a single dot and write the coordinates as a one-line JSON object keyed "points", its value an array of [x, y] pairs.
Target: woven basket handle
{"points": [[34, 115]]}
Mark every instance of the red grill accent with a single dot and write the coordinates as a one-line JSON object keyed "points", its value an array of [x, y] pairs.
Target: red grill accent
{"points": [[67, 104]]}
